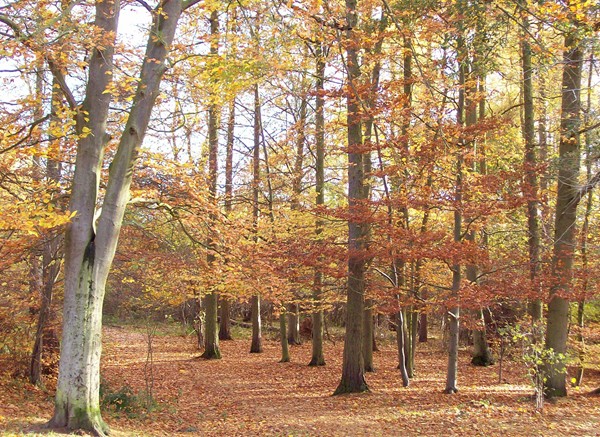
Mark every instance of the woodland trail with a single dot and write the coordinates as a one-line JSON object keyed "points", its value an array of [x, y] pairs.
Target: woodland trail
{"points": [[247, 394]]}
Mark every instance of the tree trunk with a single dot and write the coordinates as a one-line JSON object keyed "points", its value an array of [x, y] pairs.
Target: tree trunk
{"points": [[567, 199], [293, 334], [453, 312], [318, 358], [585, 229], [400, 339], [423, 328], [482, 355], [368, 333], [256, 346], [90, 249], [211, 338], [225, 324], [531, 182], [285, 352], [50, 265], [353, 371]]}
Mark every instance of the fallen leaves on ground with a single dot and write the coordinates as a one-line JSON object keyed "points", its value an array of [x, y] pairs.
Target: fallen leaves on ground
{"points": [[253, 394]]}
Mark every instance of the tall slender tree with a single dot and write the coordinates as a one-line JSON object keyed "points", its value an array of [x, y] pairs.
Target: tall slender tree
{"points": [[568, 196], [353, 369], [211, 331], [318, 358]]}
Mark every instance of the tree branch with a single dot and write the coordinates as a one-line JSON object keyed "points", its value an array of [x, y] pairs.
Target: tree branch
{"points": [[145, 5], [588, 187], [22, 140], [189, 3]]}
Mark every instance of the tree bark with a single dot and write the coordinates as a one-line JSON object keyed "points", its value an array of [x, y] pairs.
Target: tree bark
{"points": [[453, 312], [531, 180], [285, 352], [400, 339], [211, 338], [225, 323], [50, 265], [293, 325], [256, 346], [353, 378], [566, 214], [318, 358], [90, 248], [585, 230]]}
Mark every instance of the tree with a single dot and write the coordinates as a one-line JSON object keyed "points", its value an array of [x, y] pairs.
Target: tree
{"points": [[568, 196], [318, 358], [211, 332], [91, 238], [353, 378]]}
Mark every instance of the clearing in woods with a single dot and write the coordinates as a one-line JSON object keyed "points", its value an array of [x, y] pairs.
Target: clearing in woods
{"points": [[252, 394]]}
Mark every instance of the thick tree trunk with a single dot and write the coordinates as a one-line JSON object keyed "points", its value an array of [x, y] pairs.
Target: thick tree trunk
{"points": [[211, 338], [567, 199], [353, 372], [89, 250]]}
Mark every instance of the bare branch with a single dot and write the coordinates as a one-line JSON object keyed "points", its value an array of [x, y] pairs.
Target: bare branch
{"points": [[189, 3], [145, 5], [588, 187], [22, 140]]}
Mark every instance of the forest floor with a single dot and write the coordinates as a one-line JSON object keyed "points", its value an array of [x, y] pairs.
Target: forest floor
{"points": [[247, 394]]}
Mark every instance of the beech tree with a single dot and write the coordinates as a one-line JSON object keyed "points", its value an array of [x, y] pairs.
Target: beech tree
{"points": [[353, 368], [91, 237]]}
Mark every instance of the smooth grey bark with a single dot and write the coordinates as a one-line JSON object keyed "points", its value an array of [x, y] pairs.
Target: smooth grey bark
{"points": [[77, 398], [353, 372], [90, 244], [256, 346], [225, 322], [211, 330], [318, 358], [567, 199]]}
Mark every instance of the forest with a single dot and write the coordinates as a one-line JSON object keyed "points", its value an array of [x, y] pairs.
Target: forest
{"points": [[299, 217]]}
